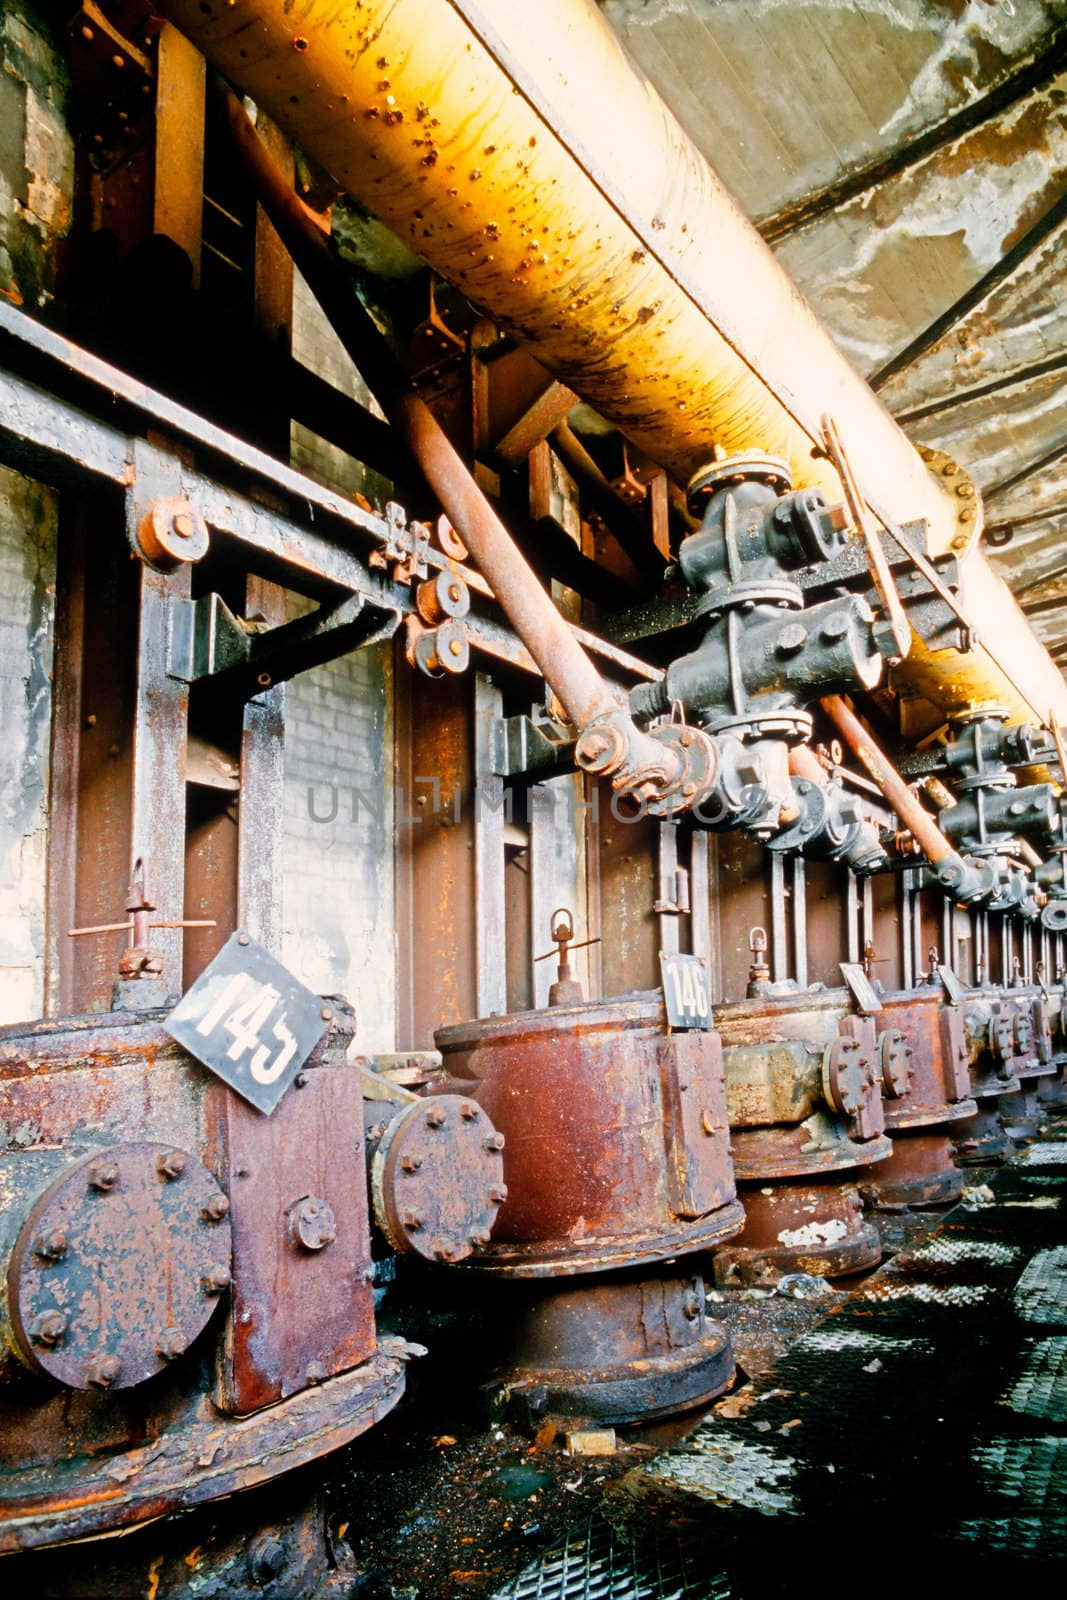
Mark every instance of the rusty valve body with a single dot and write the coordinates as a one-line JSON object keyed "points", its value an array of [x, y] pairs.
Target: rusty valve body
{"points": [[629, 1120], [617, 1159]]}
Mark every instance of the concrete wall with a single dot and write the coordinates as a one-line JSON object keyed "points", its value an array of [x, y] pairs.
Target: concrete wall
{"points": [[36, 185], [339, 931]]}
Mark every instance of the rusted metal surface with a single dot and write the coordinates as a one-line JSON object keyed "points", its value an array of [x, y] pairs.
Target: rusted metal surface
{"points": [[617, 1141], [931, 1085], [683, 344], [63, 443], [981, 1140], [920, 1172], [817, 1228], [436, 859], [802, 1085], [302, 1305], [121, 1227], [623, 252], [621, 1349], [437, 1179], [187, 1454], [118, 1266], [608, 740], [283, 1542], [937, 849]]}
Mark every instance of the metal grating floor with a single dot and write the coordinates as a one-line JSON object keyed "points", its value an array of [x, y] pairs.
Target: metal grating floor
{"points": [[926, 1418], [594, 1563]]}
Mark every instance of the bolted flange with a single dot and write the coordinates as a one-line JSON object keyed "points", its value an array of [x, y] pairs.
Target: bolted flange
{"points": [[435, 1178], [114, 1237]]}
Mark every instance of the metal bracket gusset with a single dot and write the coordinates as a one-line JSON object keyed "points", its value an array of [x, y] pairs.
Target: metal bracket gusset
{"points": [[206, 640]]}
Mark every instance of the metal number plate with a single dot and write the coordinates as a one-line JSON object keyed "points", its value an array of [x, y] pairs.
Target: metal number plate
{"points": [[250, 1021], [862, 989], [686, 990]]}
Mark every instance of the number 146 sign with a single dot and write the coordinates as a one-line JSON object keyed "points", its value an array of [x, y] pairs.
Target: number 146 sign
{"points": [[249, 1020], [686, 990]]}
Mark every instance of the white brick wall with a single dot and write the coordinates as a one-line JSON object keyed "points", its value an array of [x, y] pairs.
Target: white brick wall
{"points": [[339, 931], [36, 185], [27, 603]]}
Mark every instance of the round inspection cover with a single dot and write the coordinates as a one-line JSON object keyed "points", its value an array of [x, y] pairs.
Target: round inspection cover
{"points": [[437, 1178], [119, 1266], [847, 1075]]}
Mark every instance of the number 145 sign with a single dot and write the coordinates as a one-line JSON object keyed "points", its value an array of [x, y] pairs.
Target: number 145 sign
{"points": [[249, 1020]]}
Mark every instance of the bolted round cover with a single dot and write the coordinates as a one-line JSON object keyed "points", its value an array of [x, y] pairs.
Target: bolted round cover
{"points": [[119, 1266], [437, 1178]]}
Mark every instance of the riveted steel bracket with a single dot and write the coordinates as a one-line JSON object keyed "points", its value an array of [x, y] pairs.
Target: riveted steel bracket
{"points": [[206, 640]]}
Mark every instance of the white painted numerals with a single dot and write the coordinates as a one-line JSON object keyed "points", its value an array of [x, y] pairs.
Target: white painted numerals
{"points": [[243, 1009]]}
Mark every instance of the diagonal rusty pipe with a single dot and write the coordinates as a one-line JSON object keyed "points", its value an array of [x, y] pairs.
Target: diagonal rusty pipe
{"points": [[609, 742], [966, 881]]}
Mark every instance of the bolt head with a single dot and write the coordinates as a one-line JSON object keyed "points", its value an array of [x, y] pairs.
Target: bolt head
{"points": [[410, 1162], [480, 1237], [103, 1175], [171, 1164], [103, 1371], [326, 1014], [468, 1111], [494, 1141], [411, 1220], [215, 1207], [52, 1245], [445, 1250], [216, 1279], [436, 1117], [48, 1328], [312, 1224], [170, 1344], [498, 1194], [266, 1558]]}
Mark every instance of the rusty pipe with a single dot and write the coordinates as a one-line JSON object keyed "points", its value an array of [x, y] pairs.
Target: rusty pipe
{"points": [[617, 747], [519, 152], [804, 763], [968, 881]]}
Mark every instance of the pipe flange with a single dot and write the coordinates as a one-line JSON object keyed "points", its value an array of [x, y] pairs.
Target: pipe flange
{"points": [[698, 770], [751, 592], [967, 500], [794, 726], [746, 466], [850, 1083]]}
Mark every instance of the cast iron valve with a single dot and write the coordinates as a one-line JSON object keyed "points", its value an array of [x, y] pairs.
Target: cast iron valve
{"points": [[984, 745], [764, 656], [990, 818], [831, 827], [992, 810], [1051, 876]]}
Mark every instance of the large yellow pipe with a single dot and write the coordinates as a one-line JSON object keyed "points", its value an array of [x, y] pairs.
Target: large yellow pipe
{"points": [[519, 152]]}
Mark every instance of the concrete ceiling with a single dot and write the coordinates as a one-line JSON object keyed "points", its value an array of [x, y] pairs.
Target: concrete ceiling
{"points": [[907, 161]]}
